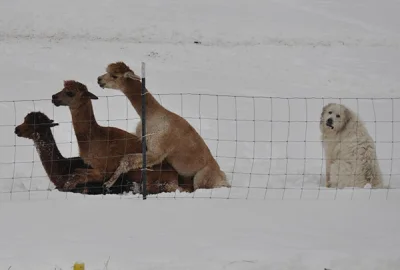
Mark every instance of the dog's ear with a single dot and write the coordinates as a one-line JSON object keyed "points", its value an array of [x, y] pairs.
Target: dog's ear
{"points": [[132, 76], [348, 116]]}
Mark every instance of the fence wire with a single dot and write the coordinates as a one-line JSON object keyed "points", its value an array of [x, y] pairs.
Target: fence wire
{"points": [[269, 147]]}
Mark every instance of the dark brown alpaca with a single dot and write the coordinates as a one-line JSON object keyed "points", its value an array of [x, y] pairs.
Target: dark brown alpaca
{"points": [[61, 170], [104, 147]]}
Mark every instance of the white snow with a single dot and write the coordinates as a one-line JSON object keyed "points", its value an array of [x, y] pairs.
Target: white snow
{"points": [[253, 50], [200, 234]]}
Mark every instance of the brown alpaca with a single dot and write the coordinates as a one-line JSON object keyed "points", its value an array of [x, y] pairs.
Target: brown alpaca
{"points": [[60, 170], [168, 137], [104, 147]]}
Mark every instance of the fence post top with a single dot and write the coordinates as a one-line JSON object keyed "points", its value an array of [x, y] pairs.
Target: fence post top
{"points": [[143, 70]]}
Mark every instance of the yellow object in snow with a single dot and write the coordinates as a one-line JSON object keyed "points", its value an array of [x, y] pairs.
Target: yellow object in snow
{"points": [[79, 266]]}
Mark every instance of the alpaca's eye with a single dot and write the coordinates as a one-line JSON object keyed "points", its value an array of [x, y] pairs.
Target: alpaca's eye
{"points": [[330, 112], [338, 116], [70, 94], [114, 77]]}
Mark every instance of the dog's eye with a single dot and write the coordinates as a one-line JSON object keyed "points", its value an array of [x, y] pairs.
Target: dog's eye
{"points": [[338, 116], [114, 77], [330, 112], [70, 94]]}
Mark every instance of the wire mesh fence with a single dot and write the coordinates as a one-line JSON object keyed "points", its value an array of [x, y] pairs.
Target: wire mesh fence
{"points": [[269, 147]]}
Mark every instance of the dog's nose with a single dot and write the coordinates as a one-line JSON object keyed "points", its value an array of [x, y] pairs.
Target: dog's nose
{"points": [[54, 97], [329, 122], [98, 79], [17, 131]]}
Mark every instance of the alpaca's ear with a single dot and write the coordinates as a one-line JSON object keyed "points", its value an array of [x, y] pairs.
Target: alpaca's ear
{"points": [[53, 124], [131, 75], [89, 95]]}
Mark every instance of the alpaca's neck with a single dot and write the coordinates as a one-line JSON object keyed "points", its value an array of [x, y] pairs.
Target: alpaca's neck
{"points": [[133, 91], [46, 147], [48, 153], [84, 121]]}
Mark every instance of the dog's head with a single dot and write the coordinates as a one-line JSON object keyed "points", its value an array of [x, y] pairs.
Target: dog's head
{"points": [[334, 118]]}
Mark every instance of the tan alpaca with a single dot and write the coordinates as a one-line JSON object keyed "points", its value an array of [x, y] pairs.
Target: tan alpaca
{"points": [[169, 136], [104, 147]]}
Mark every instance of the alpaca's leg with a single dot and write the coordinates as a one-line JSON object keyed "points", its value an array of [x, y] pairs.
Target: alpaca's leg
{"points": [[153, 184], [169, 182], [186, 182], [132, 162], [170, 187], [136, 188], [210, 177], [82, 176], [139, 129]]}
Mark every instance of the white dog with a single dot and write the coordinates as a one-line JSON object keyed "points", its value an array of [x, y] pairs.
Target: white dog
{"points": [[349, 149]]}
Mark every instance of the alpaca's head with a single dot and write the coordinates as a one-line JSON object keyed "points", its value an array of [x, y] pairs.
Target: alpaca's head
{"points": [[117, 75], [35, 123], [72, 95]]}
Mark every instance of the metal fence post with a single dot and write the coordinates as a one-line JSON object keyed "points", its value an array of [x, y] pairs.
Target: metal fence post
{"points": [[144, 147]]}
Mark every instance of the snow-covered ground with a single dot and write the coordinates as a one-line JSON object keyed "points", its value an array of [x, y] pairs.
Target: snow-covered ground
{"points": [[322, 50], [200, 234]]}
